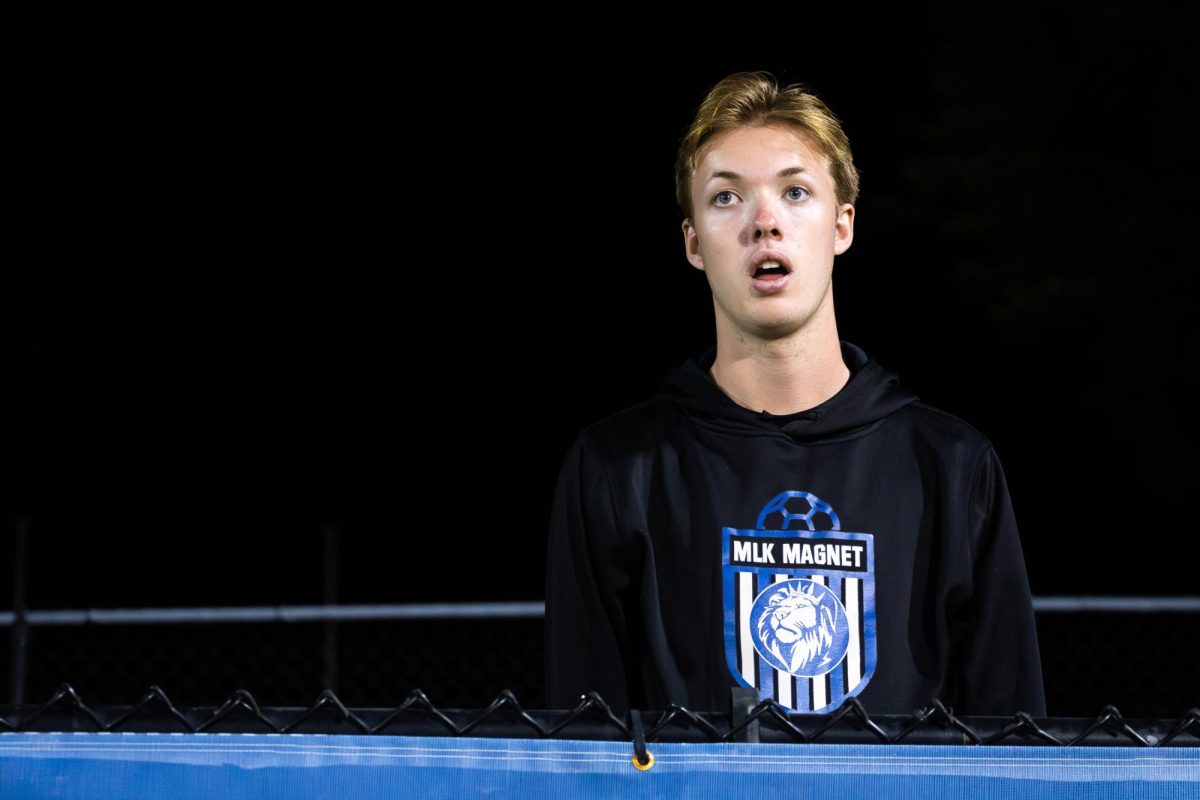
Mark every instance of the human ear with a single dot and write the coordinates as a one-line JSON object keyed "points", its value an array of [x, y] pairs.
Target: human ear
{"points": [[691, 245], [843, 229]]}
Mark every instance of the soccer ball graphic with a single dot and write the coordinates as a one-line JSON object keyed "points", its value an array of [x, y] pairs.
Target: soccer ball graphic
{"points": [[792, 511]]}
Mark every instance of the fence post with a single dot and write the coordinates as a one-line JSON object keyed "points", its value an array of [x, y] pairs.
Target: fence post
{"points": [[20, 631], [331, 630]]}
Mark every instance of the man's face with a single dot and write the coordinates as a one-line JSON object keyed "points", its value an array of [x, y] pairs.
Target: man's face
{"points": [[766, 192]]}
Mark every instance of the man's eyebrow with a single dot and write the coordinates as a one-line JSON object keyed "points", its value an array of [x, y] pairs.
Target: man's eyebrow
{"points": [[733, 176]]}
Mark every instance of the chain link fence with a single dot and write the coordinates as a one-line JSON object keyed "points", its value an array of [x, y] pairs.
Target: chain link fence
{"points": [[592, 719], [1142, 663]]}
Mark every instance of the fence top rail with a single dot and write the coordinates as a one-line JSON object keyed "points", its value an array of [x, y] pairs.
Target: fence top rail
{"points": [[1121, 605], [332, 613], [533, 609]]}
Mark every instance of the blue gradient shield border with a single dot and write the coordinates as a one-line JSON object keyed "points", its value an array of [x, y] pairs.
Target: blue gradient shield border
{"points": [[854, 589]]}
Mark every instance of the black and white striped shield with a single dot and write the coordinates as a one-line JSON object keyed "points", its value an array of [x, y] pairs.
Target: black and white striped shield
{"points": [[800, 605]]}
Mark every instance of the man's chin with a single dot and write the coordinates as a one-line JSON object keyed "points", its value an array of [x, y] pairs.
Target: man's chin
{"points": [[767, 324], [777, 328]]}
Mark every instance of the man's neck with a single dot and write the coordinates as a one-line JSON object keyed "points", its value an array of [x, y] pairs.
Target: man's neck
{"points": [[781, 376]]}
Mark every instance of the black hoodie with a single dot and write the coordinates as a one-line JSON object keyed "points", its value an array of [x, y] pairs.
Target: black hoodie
{"points": [[865, 547]]}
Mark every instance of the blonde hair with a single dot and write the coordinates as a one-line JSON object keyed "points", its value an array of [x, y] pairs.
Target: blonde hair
{"points": [[746, 99]]}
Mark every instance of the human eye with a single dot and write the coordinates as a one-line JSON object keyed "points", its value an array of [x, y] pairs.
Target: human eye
{"points": [[723, 198], [797, 193]]}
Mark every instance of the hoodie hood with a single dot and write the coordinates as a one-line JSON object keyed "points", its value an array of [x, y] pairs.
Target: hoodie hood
{"points": [[871, 394]]}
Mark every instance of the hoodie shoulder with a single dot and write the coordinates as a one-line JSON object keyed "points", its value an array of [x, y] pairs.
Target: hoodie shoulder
{"points": [[944, 437], [946, 424], [631, 429]]}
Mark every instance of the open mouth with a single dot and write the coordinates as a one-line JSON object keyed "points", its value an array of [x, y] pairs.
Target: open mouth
{"points": [[769, 273], [770, 268]]}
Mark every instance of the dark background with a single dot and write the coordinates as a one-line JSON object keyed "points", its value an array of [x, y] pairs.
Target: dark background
{"points": [[377, 274]]}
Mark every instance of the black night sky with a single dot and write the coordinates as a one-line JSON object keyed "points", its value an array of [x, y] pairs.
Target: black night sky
{"points": [[264, 279]]}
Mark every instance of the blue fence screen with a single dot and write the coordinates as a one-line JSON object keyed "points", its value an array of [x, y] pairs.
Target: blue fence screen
{"points": [[300, 766]]}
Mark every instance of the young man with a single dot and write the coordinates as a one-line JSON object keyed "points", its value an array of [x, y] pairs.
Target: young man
{"points": [[781, 514]]}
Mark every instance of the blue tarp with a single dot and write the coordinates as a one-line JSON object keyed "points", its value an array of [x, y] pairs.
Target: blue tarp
{"points": [[300, 766]]}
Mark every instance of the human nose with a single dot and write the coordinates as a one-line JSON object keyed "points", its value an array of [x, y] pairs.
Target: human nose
{"points": [[765, 223]]}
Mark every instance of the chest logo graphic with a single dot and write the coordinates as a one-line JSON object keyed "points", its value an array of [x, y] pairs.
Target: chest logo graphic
{"points": [[800, 604]]}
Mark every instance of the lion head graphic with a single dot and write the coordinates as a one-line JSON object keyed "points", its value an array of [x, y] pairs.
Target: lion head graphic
{"points": [[796, 627]]}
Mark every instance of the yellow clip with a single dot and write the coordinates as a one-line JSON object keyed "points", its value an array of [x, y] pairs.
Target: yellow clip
{"points": [[644, 765]]}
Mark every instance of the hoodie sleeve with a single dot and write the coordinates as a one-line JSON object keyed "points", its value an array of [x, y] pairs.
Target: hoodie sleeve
{"points": [[999, 666], [587, 583]]}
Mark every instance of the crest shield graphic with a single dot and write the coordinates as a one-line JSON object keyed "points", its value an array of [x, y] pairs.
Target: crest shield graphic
{"points": [[800, 605]]}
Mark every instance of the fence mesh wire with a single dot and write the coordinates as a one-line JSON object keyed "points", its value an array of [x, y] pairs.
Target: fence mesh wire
{"points": [[592, 719], [1143, 663]]}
